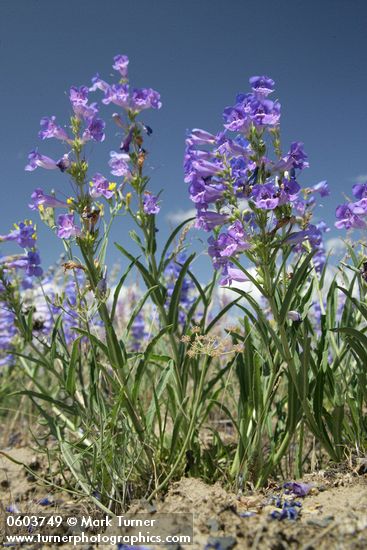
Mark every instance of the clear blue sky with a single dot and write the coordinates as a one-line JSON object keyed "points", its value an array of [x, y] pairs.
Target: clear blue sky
{"points": [[198, 54]]}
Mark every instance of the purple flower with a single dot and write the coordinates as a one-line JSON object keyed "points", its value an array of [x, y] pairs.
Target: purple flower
{"points": [[98, 84], [200, 137], [79, 96], [205, 168], [360, 190], [87, 112], [322, 188], [95, 130], [296, 158], [47, 201], [119, 164], [232, 242], [33, 268], [138, 331], [348, 216], [289, 190], [231, 274], [30, 263], [121, 63], [36, 160], [117, 94], [251, 109], [236, 119], [312, 234], [7, 329], [202, 195], [150, 204], [79, 102], [265, 196], [24, 234], [262, 85], [13, 509], [297, 488], [51, 130], [145, 98], [100, 187], [207, 220], [67, 227]]}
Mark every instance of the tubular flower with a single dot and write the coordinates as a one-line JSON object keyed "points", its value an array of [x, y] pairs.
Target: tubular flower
{"points": [[100, 187], [66, 227], [23, 233], [41, 200]]}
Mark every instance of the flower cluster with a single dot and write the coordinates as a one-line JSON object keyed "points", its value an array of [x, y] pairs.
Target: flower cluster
{"points": [[241, 194], [24, 234], [132, 101], [85, 125], [353, 214]]}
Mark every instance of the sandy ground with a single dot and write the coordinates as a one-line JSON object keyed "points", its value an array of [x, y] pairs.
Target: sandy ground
{"points": [[332, 516]]}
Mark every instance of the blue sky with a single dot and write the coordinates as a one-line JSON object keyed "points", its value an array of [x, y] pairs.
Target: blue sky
{"points": [[198, 55]]}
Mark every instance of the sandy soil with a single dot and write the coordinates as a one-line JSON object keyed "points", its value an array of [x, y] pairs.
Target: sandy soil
{"points": [[332, 516]]}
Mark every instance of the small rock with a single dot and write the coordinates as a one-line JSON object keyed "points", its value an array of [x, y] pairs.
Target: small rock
{"points": [[220, 543], [213, 525], [34, 464], [361, 468], [321, 522], [5, 484]]}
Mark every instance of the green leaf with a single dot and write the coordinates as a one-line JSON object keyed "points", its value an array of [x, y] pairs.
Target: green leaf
{"points": [[159, 389], [44, 397], [168, 244], [298, 279], [118, 288], [219, 315], [71, 370], [139, 307], [175, 297]]}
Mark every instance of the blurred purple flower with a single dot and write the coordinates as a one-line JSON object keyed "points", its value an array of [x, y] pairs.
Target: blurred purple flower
{"points": [[24, 234], [118, 94], [231, 274], [360, 190], [145, 98], [348, 216], [120, 64], [67, 227], [262, 84], [119, 164], [100, 187], [296, 158], [207, 220], [36, 160], [297, 488], [51, 130], [265, 196], [98, 84], [150, 204], [95, 130], [48, 201]]}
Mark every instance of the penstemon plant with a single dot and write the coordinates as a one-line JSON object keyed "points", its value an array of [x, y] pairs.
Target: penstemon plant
{"points": [[124, 413], [134, 381], [247, 196]]}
